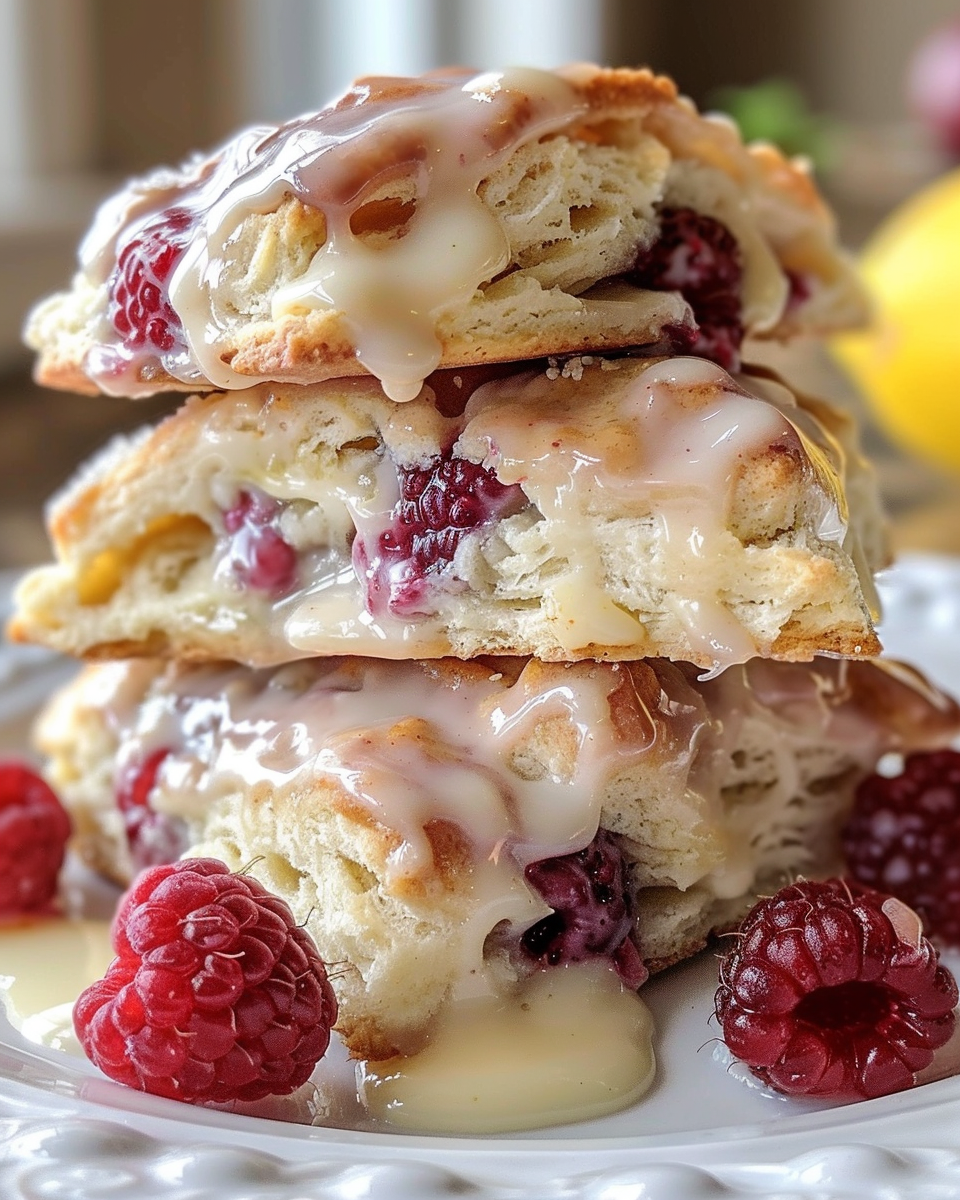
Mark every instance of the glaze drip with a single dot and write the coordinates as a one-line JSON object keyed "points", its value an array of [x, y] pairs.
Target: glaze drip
{"points": [[436, 138]]}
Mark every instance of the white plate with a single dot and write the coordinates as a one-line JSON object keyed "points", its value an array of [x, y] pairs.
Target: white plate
{"points": [[68, 1133]]}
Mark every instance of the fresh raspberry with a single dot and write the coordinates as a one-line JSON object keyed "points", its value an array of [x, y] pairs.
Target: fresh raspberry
{"points": [[832, 990], [903, 837], [591, 916], [153, 837], [259, 556], [215, 994], [140, 310], [699, 258], [439, 505], [34, 828]]}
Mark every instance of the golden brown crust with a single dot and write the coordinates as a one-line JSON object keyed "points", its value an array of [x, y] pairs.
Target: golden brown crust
{"points": [[613, 92], [850, 642], [302, 350], [621, 104], [791, 646], [67, 375]]}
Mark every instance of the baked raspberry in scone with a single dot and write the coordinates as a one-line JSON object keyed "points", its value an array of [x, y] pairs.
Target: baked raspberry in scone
{"points": [[445, 827], [610, 509], [447, 220]]}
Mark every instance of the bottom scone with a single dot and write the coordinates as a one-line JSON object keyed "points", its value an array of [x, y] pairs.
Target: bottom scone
{"points": [[444, 828]]}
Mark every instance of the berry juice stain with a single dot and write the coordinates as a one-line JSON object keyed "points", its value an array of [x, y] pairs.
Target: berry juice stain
{"points": [[153, 837]]}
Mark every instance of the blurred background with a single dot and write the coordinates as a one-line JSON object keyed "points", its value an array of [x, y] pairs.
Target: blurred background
{"points": [[93, 90]]}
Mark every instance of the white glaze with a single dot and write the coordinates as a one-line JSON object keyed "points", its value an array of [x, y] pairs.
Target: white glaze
{"points": [[387, 293], [571, 1044], [443, 135], [669, 446], [45, 963]]}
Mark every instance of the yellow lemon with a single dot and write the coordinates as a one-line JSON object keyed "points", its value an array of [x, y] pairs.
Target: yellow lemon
{"points": [[908, 362]]}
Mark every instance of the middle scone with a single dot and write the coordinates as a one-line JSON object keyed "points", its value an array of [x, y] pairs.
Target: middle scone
{"points": [[602, 508]]}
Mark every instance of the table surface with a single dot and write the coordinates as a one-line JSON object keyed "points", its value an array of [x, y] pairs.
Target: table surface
{"points": [[44, 435]]}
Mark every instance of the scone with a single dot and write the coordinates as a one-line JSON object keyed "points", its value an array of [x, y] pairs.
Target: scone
{"points": [[424, 819], [611, 509], [449, 220]]}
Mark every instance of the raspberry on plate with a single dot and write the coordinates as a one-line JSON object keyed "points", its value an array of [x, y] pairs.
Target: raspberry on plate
{"points": [[903, 837], [215, 994], [832, 990], [34, 828]]}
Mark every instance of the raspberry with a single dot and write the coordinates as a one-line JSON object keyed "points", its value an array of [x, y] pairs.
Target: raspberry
{"points": [[34, 828], [215, 994], [833, 991], [439, 504], [591, 915], [139, 308], [153, 837], [259, 556], [699, 258], [903, 837]]}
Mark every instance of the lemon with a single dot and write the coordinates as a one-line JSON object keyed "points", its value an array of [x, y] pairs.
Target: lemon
{"points": [[908, 362]]}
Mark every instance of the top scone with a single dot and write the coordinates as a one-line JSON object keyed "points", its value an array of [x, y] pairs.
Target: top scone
{"points": [[448, 220]]}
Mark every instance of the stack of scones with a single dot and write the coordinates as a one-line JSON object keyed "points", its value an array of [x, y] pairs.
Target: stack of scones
{"points": [[482, 599]]}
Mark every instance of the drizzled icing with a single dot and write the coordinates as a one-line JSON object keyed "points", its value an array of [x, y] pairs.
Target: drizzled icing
{"points": [[440, 135], [664, 443], [631, 452], [670, 445], [408, 749], [411, 744]]}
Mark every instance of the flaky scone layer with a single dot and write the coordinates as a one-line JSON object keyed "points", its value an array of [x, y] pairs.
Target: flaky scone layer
{"points": [[396, 805], [444, 221], [613, 509]]}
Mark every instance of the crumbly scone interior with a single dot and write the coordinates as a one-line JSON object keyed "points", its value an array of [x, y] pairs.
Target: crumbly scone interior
{"points": [[621, 531]]}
